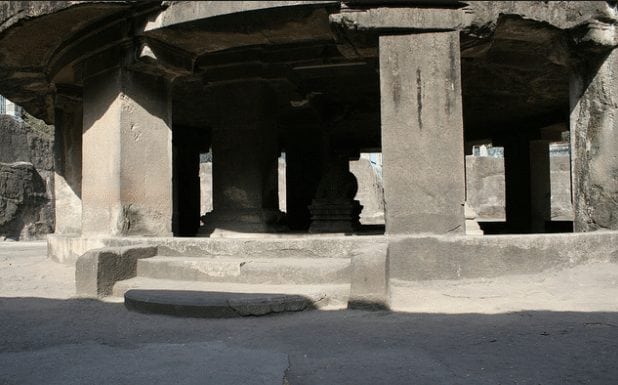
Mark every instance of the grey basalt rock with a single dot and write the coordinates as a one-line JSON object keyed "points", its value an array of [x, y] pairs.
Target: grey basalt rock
{"points": [[25, 207], [26, 180], [19, 142]]}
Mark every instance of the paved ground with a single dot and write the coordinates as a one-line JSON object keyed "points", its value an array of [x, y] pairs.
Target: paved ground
{"points": [[48, 337]]}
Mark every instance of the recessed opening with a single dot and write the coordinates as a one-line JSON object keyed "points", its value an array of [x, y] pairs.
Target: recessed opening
{"points": [[544, 190]]}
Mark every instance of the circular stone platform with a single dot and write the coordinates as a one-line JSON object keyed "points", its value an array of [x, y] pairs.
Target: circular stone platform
{"points": [[184, 303]]}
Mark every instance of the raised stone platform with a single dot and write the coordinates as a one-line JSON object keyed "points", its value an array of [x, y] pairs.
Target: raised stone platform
{"points": [[328, 271], [267, 274], [233, 287], [66, 249]]}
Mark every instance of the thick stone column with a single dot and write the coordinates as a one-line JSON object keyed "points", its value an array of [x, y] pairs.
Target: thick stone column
{"points": [[517, 177], [594, 140], [187, 144], [303, 155], [127, 145], [540, 185], [334, 209], [422, 133], [68, 161], [245, 155]]}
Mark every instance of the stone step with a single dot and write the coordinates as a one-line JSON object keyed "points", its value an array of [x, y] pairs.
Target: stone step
{"points": [[217, 300], [241, 270], [270, 246]]}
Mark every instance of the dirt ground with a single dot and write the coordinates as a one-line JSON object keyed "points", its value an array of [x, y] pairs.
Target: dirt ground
{"points": [[559, 327]]}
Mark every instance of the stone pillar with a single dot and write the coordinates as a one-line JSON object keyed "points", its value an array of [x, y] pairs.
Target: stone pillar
{"points": [[334, 209], [245, 156], [187, 144], [303, 167], [68, 161], [594, 140], [422, 133], [540, 185], [127, 144], [518, 205]]}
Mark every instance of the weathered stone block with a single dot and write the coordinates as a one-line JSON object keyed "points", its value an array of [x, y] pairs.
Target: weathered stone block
{"points": [[368, 288], [485, 186], [420, 258], [98, 270]]}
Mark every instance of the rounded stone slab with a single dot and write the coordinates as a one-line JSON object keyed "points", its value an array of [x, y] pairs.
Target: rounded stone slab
{"points": [[184, 303]]}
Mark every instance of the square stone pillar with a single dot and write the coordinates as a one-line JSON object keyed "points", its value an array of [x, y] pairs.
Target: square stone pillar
{"points": [[127, 161], [517, 179], [303, 161], [422, 133], [540, 185], [68, 161], [245, 154], [594, 143], [187, 143]]}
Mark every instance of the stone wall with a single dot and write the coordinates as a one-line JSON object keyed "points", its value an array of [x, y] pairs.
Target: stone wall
{"points": [[485, 186], [26, 180]]}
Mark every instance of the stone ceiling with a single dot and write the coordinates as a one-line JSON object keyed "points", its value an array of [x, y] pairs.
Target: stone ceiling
{"points": [[515, 55]]}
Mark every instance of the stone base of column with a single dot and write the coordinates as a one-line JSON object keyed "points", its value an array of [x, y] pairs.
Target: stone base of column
{"points": [[335, 217], [242, 221], [472, 225]]}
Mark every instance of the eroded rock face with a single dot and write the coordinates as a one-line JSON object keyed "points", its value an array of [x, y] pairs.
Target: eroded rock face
{"points": [[26, 181], [20, 143], [25, 208]]}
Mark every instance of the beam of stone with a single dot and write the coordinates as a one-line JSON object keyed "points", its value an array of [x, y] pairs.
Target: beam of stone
{"points": [[420, 84], [183, 12], [594, 139], [127, 173], [68, 162], [245, 155], [401, 19]]}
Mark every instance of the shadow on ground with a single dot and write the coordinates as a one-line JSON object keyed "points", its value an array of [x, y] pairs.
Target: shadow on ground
{"points": [[80, 341]]}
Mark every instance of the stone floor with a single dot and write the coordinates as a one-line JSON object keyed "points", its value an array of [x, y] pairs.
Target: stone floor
{"points": [[560, 327]]}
